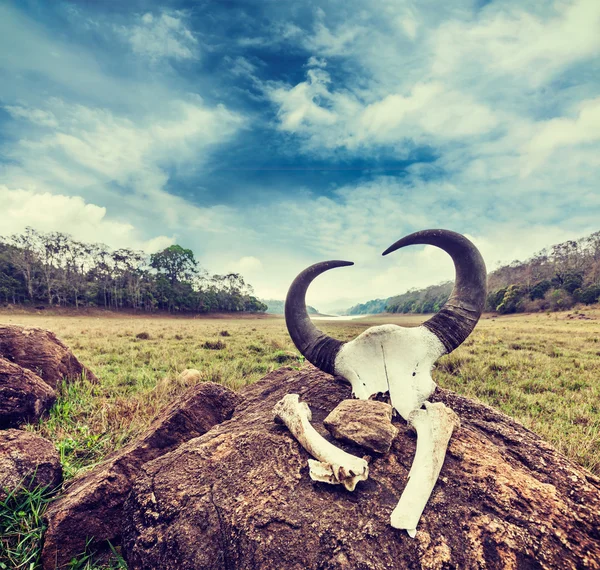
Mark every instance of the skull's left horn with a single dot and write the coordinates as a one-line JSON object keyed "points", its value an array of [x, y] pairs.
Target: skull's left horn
{"points": [[316, 346], [453, 323]]}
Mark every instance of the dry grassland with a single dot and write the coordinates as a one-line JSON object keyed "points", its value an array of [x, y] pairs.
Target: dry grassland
{"points": [[543, 370]]}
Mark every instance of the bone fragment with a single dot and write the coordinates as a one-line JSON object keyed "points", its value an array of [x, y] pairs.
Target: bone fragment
{"points": [[335, 466], [434, 426], [367, 423]]}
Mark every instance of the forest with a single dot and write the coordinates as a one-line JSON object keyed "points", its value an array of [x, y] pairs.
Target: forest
{"points": [[554, 279], [54, 270]]}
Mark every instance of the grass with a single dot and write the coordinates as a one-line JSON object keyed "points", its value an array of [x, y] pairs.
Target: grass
{"points": [[22, 529], [543, 370]]}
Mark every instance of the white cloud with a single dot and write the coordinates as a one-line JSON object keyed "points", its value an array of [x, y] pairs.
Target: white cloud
{"points": [[162, 36], [106, 147], [409, 24], [512, 40], [429, 108], [69, 214], [470, 75], [337, 42], [561, 132], [298, 106], [316, 62], [36, 116]]}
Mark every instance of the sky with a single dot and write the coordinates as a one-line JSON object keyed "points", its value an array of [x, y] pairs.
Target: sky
{"points": [[267, 135]]}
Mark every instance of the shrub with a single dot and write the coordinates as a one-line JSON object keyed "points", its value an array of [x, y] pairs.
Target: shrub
{"points": [[536, 306], [572, 281], [495, 298], [214, 345], [539, 289], [282, 356], [559, 300], [588, 295], [512, 300]]}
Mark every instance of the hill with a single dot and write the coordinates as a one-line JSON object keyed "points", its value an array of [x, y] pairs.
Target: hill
{"points": [[555, 278], [276, 307]]}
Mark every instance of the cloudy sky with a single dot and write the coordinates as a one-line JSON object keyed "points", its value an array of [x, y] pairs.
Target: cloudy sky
{"points": [[267, 135]]}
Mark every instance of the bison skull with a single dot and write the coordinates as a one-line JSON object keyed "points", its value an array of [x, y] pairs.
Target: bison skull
{"points": [[398, 361]]}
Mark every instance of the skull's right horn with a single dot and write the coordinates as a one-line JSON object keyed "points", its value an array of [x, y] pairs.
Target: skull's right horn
{"points": [[453, 323]]}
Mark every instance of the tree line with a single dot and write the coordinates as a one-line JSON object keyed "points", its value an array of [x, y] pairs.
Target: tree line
{"points": [[553, 279], [53, 269]]}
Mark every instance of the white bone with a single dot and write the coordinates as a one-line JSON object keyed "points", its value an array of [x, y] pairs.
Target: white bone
{"points": [[434, 426], [393, 359], [335, 466]]}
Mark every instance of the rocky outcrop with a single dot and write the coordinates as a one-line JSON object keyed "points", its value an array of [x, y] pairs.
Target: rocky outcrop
{"points": [[239, 497], [24, 396], [41, 352], [92, 505], [367, 423], [27, 461]]}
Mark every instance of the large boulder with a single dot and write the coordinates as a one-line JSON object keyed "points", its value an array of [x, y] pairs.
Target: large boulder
{"points": [[41, 352], [27, 461], [92, 505], [240, 497], [24, 396]]}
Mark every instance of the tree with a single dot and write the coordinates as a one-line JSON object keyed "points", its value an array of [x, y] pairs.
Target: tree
{"points": [[175, 263], [25, 257]]}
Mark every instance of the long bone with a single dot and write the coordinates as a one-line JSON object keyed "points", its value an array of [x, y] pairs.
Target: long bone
{"points": [[434, 426], [395, 359], [334, 465]]}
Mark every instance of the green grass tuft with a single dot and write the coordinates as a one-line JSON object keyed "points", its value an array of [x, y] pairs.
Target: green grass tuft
{"points": [[22, 528]]}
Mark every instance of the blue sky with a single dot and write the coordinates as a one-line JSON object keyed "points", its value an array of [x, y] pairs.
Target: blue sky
{"points": [[267, 135]]}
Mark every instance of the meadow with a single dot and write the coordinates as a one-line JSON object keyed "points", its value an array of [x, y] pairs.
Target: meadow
{"points": [[542, 369]]}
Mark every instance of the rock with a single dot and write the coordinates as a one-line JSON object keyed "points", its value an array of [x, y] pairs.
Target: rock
{"points": [[190, 375], [92, 504], [240, 497], [367, 423], [24, 396], [41, 352], [27, 460]]}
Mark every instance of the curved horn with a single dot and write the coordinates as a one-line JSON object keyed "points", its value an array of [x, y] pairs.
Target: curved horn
{"points": [[315, 345], [453, 323]]}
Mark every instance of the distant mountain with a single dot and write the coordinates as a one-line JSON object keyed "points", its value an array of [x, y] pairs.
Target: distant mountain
{"points": [[428, 300], [553, 279], [368, 308], [276, 307]]}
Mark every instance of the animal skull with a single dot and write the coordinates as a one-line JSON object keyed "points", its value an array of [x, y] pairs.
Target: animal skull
{"points": [[398, 361]]}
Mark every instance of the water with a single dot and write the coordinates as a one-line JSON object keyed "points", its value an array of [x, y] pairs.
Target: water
{"points": [[339, 317]]}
